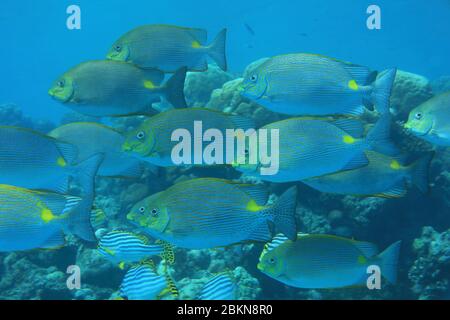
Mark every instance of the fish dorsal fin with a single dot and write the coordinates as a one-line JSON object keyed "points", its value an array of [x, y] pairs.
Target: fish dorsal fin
{"points": [[201, 35], [257, 192], [68, 151], [368, 249], [354, 127]]}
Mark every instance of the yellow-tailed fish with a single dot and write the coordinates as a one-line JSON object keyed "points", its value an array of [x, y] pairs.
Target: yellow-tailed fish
{"points": [[37, 219], [152, 142], [311, 84], [310, 148], [168, 48], [33, 160], [225, 211], [114, 88], [142, 282], [384, 176], [91, 138], [317, 261], [430, 121]]}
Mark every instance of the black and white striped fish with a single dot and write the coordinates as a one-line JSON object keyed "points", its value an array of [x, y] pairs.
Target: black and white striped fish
{"points": [[142, 282], [123, 246], [219, 287]]}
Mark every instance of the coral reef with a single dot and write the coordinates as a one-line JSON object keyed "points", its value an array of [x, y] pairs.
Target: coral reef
{"points": [[430, 272]]}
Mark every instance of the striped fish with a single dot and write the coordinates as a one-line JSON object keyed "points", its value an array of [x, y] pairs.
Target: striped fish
{"points": [[311, 84], [225, 211], [142, 282], [31, 160], [220, 287], [126, 247]]}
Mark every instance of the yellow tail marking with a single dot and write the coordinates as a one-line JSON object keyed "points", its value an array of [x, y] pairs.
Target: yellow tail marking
{"points": [[61, 162], [395, 165], [46, 214], [149, 84], [196, 44], [353, 85], [348, 139], [253, 206], [122, 265]]}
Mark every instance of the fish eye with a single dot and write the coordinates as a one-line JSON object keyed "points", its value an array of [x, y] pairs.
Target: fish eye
{"points": [[140, 135], [246, 152], [142, 209], [60, 83], [118, 48], [154, 212], [418, 115], [254, 77], [272, 260]]}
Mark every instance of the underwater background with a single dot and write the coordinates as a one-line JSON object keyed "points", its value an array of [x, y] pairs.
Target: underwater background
{"points": [[37, 47]]}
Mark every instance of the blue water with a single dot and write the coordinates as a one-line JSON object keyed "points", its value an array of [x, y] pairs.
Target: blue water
{"points": [[38, 46]]}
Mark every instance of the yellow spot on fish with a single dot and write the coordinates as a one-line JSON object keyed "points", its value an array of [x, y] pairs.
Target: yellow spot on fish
{"points": [[395, 165], [61, 162], [149, 84], [348, 139], [122, 265], [46, 213], [353, 85], [253, 206], [196, 44], [362, 260]]}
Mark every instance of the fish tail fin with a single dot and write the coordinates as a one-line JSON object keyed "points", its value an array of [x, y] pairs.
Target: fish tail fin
{"points": [[378, 137], [283, 211], [419, 172], [217, 50], [174, 89], [382, 89], [389, 261], [80, 218]]}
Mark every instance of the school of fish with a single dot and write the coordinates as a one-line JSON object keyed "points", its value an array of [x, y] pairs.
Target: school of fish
{"points": [[47, 179]]}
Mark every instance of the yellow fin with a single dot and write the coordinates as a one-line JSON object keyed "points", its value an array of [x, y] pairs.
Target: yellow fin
{"points": [[122, 265], [348, 139], [353, 85]]}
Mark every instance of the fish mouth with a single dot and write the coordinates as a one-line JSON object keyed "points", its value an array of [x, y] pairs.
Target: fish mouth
{"points": [[416, 132], [59, 97], [260, 266]]}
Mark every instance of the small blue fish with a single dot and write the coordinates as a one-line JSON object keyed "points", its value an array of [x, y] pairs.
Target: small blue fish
{"points": [[219, 287], [142, 282], [125, 247]]}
